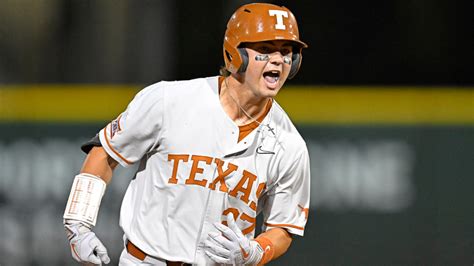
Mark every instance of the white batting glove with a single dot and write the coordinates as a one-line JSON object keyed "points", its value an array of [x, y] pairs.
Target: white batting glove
{"points": [[230, 246], [85, 246]]}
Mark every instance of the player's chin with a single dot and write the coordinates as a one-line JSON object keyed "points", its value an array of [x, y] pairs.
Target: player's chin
{"points": [[271, 90], [269, 93]]}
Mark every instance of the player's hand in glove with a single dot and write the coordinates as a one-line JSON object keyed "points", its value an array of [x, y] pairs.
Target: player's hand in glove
{"points": [[85, 246], [230, 246]]}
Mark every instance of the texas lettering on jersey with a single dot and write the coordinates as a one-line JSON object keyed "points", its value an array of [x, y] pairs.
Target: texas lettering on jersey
{"points": [[245, 189]]}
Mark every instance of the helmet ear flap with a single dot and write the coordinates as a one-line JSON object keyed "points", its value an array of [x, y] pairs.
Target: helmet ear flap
{"points": [[295, 64], [245, 60]]}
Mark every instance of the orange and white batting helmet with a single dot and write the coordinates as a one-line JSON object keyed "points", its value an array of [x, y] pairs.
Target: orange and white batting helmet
{"points": [[256, 23]]}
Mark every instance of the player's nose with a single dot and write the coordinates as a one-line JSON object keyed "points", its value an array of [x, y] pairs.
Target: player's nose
{"points": [[277, 58]]}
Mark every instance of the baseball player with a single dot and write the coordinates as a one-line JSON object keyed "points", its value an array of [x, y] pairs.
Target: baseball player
{"points": [[213, 153]]}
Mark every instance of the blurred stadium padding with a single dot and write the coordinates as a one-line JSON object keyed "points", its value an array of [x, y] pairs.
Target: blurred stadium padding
{"points": [[356, 105]]}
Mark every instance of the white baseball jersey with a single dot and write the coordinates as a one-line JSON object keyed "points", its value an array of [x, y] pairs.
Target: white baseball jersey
{"points": [[193, 171]]}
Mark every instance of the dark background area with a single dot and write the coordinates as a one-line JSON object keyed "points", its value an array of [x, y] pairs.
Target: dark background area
{"points": [[351, 42], [359, 42]]}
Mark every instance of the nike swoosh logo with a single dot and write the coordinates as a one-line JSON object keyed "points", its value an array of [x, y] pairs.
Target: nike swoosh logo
{"points": [[262, 151], [245, 254]]}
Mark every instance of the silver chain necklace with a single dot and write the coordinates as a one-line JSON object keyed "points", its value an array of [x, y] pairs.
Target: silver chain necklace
{"points": [[240, 107]]}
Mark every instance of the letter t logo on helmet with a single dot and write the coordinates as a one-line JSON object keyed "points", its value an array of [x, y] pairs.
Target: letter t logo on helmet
{"points": [[279, 15], [260, 22]]}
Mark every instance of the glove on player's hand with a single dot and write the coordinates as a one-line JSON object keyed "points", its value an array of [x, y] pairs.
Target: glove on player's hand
{"points": [[85, 246], [230, 246]]}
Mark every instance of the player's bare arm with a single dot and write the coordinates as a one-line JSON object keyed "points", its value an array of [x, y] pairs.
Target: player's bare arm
{"points": [[99, 163], [83, 206], [280, 239]]}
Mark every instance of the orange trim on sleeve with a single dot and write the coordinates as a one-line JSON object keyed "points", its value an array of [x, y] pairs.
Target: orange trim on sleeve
{"points": [[304, 210], [285, 225], [113, 150]]}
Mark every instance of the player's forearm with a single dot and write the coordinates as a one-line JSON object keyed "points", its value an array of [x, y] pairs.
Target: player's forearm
{"points": [[280, 239], [82, 207], [99, 163], [88, 188]]}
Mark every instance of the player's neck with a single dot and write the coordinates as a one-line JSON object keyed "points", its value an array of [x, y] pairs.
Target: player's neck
{"points": [[239, 102]]}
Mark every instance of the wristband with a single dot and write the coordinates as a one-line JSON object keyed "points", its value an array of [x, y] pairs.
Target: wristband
{"points": [[84, 199]]}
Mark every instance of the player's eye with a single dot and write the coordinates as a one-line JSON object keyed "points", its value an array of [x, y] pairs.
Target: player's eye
{"points": [[264, 49], [285, 51]]}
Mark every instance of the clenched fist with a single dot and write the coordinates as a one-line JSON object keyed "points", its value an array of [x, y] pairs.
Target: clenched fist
{"points": [[85, 246]]}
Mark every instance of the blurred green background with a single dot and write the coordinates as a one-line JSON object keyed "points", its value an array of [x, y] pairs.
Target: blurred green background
{"points": [[384, 99]]}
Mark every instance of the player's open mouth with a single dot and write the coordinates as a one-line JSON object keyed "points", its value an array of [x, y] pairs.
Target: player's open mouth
{"points": [[271, 76]]}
